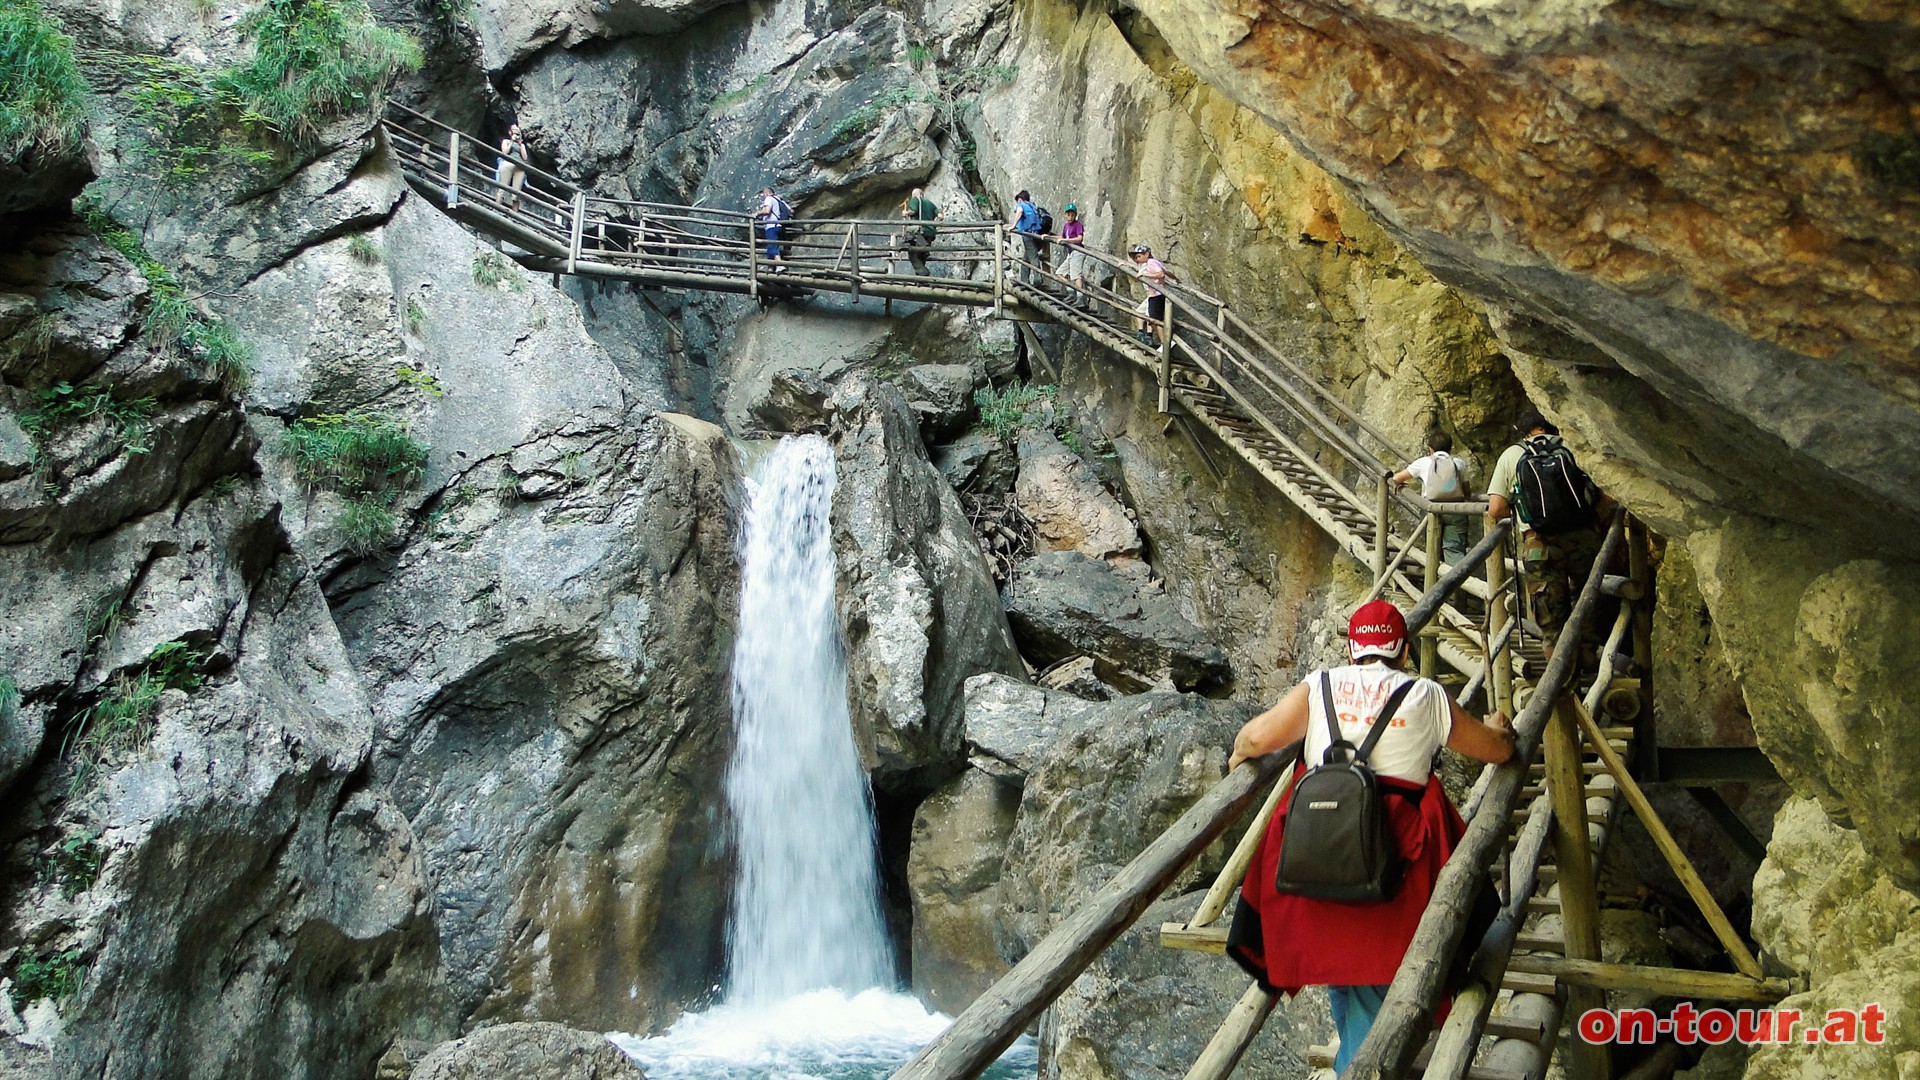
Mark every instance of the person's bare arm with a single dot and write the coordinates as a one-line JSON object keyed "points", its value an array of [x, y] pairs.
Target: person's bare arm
{"points": [[1491, 742], [1400, 478], [1497, 506], [1273, 729]]}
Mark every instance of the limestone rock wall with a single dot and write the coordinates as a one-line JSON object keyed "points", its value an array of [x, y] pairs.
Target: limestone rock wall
{"points": [[236, 897]]}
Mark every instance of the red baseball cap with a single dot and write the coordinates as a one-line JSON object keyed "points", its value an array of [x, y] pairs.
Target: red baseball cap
{"points": [[1377, 629]]}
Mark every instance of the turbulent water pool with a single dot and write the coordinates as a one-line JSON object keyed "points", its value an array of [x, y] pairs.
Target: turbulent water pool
{"points": [[823, 1034]]}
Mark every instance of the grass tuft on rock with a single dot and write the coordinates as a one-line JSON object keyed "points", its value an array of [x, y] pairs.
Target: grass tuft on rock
{"points": [[65, 405], [315, 61], [363, 250], [366, 458], [77, 862], [172, 320], [43, 98], [1005, 412], [122, 720], [493, 270]]}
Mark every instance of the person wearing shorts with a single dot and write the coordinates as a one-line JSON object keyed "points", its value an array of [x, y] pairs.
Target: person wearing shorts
{"points": [[1152, 311], [1074, 268]]}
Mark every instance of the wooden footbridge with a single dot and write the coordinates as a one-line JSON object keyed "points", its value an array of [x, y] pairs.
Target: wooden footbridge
{"points": [[1544, 817]]}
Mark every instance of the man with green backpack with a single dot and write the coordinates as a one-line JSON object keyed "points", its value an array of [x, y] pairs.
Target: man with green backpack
{"points": [[1558, 506]]}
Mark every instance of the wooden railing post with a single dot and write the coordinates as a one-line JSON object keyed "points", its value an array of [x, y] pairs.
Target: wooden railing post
{"points": [[999, 268], [1221, 354], [1430, 648], [453, 170], [1573, 855], [575, 235], [1380, 508], [1640, 563], [753, 259], [1499, 666], [853, 241], [1166, 354]]}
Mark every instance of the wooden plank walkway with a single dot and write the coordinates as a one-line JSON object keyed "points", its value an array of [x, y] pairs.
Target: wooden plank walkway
{"points": [[1314, 449]]}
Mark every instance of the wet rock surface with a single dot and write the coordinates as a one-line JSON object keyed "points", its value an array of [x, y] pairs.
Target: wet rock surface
{"points": [[528, 1051], [917, 607]]}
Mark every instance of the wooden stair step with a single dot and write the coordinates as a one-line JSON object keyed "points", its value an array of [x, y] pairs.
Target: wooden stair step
{"points": [[1523, 983], [1536, 941]]}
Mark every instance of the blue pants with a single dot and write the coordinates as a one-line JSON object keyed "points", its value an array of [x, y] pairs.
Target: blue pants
{"points": [[1354, 1010], [773, 241]]}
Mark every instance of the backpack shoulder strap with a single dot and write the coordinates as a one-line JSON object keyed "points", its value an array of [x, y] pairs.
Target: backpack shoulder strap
{"points": [[1326, 708], [1385, 719]]}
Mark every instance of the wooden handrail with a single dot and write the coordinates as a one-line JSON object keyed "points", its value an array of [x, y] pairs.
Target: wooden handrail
{"points": [[996, 1018]]}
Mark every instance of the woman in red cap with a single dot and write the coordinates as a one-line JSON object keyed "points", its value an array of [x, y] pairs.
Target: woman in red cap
{"points": [[1287, 941]]}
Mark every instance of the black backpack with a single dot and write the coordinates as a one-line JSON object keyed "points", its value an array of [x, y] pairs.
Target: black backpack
{"points": [[1046, 220], [1551, 492], [1336, 843]]}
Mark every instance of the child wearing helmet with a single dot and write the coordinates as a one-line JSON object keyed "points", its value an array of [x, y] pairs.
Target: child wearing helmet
{"points": [[1153, 310]]}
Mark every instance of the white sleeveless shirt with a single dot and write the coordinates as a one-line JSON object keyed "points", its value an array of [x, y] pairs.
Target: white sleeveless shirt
{"points": [[1421, 725]]}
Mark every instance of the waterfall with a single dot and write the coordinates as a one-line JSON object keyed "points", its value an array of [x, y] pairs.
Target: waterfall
{"points": [[805, 910], [809, 991]]}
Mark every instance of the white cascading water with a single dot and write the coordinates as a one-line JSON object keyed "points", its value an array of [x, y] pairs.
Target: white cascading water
{"points": [[806, 912], [809, 971]]}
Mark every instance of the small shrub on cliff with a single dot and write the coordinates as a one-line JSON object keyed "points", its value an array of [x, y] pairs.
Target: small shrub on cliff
{"points": [[43, 99], [493, 270], [172, 320], [38, 975], [77, 861], [363, 250], [65, 405], [315, 61], [1005, 412], [9, 699]]}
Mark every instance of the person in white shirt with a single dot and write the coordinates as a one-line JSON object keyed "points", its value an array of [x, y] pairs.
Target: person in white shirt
{"points": [[1288, 941], [1443, 478]]}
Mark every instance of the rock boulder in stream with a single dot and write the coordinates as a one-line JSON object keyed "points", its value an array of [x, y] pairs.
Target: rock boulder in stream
{"points": [[917, 605]]}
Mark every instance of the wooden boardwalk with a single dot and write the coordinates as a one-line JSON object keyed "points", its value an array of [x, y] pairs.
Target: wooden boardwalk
{"points": [[1211, 365]]}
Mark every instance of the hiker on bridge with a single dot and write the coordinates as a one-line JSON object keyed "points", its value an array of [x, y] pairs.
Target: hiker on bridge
{"points": [[1287, 939], [773, 214], [509, 170], [1152, 311], [1443, 478], [1559, 509], [1073, 235], [919, 238], [1029, 225]]}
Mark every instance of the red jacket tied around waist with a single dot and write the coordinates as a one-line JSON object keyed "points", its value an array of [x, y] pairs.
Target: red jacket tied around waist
{"points": [[1287, 942]]}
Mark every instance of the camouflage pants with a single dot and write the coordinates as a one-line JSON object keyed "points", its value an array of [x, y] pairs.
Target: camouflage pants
{"points": [[1556, 567]]}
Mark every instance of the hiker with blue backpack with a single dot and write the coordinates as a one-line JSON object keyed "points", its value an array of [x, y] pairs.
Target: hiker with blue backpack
{"points": [[1559, 509], [1030, 223], [1348, 864]]}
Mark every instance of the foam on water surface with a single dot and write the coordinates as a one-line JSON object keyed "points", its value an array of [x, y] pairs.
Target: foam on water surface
{"points": [[819, 1035]]}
